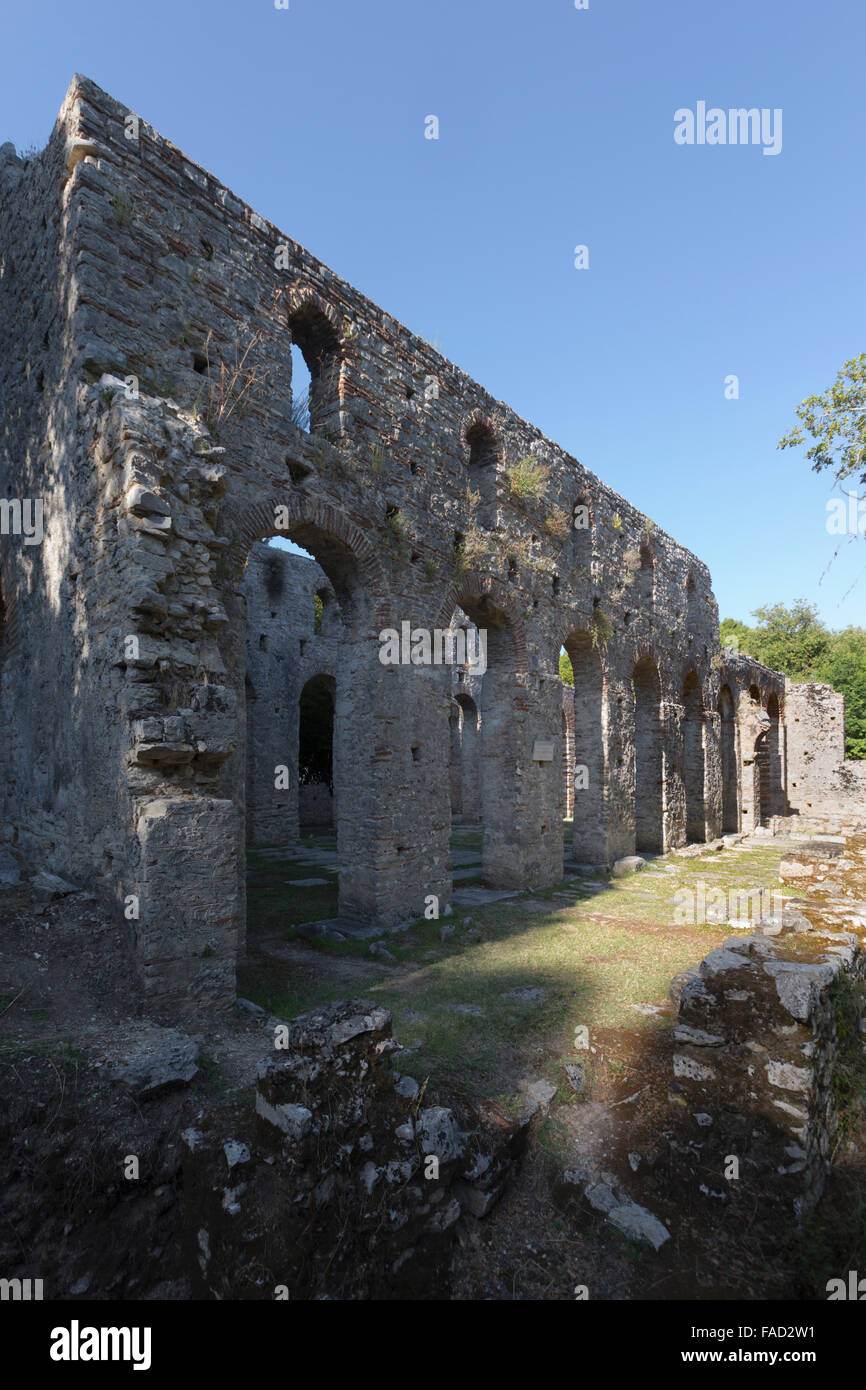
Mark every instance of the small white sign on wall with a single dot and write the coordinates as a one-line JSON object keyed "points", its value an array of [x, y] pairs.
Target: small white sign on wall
{"points": [[542, 750]]}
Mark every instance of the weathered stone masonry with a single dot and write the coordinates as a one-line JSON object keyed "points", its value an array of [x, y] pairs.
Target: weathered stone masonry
{"points": [[147, 317]]}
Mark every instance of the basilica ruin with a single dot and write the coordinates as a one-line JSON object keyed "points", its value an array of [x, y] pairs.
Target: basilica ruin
{"points": [[173, 689]]}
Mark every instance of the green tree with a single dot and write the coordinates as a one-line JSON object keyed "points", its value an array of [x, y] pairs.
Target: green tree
{"points": [[836, 421], [566, 670], [791, 640], [844, 667], [734, 634]]}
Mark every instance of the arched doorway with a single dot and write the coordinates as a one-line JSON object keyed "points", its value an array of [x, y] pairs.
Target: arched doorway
{"points": [[693, 759], [775, 781], [648, 759], [728, 736], [316, 777], [588, 765]]}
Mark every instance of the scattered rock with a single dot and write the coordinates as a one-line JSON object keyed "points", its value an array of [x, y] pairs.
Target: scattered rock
{"points": [[163, 1060], [540, 1094], [630, 864], [246, 1006], [639, 1223], [438, 1134], [51, 885], [576, 1078], [380, 950], [235, 1152], [697, 1036]]}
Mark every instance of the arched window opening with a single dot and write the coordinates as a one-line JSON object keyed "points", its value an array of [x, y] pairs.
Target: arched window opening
{"points": [[316, 397], [646, 578], [483, 465]]}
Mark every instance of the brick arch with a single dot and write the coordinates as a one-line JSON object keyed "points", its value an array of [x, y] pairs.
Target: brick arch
{"points": [[298, 297], [318, 666], [475, 585], [258, 519], [568, 627], [643, 652], [471, 421], [691, 668]]}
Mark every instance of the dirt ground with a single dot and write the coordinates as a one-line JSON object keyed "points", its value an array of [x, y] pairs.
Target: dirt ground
{"points": [[486, 1004]]}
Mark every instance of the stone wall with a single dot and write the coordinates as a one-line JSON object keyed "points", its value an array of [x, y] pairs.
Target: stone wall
{"points": [[824, 788], [148, 397], [350, 1185], [758, 1039]]}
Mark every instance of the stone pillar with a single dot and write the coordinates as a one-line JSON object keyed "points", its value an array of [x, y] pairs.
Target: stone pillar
{"points": [[522, 797]]}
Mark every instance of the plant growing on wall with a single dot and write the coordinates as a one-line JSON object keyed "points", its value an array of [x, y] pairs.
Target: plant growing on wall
{"points": [[600, 628], [527, 480], [556, 525], [470, 551], [234, 387]]}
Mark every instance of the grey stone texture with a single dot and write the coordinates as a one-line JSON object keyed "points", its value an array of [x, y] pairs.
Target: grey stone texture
{"points": [[148, 318]]}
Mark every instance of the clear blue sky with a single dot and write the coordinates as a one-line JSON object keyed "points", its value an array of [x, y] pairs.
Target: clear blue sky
{"points": [[556, 129]]}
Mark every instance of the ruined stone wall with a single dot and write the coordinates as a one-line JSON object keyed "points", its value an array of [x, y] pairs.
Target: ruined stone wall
{"points": [[758, 1039], [823, 785], [401, 490], [759, 739]]}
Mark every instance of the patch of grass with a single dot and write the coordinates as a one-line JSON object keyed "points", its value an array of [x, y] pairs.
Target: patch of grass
{"points": [[849, 1077], [527, 479], [17, 1049]]}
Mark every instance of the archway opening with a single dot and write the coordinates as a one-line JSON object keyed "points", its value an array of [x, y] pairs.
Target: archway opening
{"points": [[316, 360], [762, 779], [588, 762], [316, 757], [648, 758], [775, 780], [465, 761], [728, 736], [307, 762], [693, 759], [483, 461]]}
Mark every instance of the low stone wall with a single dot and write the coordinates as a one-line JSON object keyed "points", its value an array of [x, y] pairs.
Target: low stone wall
{"points": [[347, 1185], [757, 1040]]}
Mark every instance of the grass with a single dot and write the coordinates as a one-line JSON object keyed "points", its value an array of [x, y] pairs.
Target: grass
{"points": [[591, 959]]}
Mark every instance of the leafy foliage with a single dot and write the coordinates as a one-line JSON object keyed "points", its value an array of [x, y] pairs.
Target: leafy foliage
{"points": [[527, 480], [836, 421], [566, 670]]}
